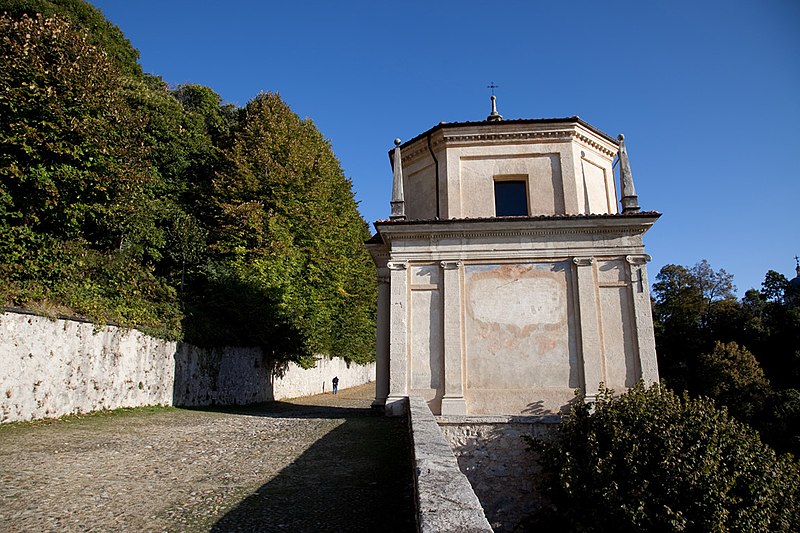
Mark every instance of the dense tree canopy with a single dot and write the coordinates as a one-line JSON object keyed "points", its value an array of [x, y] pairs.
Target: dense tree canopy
{"points": [[124, 200], [745, 354], [285, 221], [82, 16], [686, 302], [77, 198]]}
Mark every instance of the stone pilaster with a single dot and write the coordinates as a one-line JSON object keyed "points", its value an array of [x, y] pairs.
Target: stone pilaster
{"points": [[453, 402], [591, 343], [398, 338], [382, 339], [643, 318]]}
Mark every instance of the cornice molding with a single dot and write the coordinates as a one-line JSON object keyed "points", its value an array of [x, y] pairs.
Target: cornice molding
{"points": [[455, 137], [479, 257], [420, 150], [426, 235], [503, 137], [592, 144]]}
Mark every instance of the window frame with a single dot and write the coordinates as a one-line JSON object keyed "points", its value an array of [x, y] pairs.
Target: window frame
{"points": [[517, 178]]}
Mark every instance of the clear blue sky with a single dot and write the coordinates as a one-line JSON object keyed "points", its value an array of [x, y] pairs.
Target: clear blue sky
{"points": [[706, 92]]}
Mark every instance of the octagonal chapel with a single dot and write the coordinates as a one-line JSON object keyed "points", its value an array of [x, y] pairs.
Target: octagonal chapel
{"points": [[508, 276]]}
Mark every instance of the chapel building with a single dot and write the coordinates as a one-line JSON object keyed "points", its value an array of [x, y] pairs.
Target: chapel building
{"points": [[508, 277]]}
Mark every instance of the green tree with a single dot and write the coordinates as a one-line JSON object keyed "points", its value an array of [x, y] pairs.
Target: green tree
{"points": [[83, 16], [732, 376], [287, 227], [688, 304], [651, 460], [65, 129], [774, 329], [744, 354], [122, 199], [76, 184], [780, 421]]}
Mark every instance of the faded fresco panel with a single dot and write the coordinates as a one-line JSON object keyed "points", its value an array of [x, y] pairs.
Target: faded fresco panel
{"points": [[519, 333]]}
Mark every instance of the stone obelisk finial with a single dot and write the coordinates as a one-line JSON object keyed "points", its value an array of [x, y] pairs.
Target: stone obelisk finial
{"points": [[630, 202], [398, 202]]}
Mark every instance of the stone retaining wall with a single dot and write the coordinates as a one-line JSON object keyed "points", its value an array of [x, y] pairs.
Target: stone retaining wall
{"points": [[492, 453], [445, 499], [51, 368]]}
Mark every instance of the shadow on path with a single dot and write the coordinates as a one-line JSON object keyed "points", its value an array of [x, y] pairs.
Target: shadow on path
{"points": [[278, 409], [358, 477]]}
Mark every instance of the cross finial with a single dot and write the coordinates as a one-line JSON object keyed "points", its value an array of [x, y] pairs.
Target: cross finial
{"points": [[494, 116]]}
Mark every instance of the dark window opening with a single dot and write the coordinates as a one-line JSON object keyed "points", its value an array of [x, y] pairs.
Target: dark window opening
{"points": [[510, 199]]}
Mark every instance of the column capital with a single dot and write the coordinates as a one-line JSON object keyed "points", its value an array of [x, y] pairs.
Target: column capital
{"points": [[450, 265], [397, 265], [583, 261], [638, 259]]}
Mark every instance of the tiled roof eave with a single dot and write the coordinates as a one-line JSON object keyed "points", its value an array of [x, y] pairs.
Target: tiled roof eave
{"points": [[565, 120], [544, 218]]}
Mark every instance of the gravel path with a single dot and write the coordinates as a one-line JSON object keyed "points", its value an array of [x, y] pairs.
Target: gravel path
{"points": [[323, 463]]}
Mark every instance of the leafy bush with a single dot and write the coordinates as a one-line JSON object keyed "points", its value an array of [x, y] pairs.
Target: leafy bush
{"points": [[650, 460]]}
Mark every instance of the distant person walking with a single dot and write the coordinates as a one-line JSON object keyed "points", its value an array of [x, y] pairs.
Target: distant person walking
{"points": [[336, 384]]}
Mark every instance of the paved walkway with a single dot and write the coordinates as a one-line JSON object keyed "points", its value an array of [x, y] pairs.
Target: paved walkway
{"points": [[323, 463]]}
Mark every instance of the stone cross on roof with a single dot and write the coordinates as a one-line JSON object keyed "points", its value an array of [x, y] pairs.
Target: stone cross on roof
{"points": [[494, 115]]}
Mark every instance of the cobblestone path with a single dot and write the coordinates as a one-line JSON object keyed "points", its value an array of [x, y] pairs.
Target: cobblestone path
{"points": [[322, 463]]}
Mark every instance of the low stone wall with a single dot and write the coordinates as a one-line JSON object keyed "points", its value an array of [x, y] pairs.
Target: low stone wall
{"points": [[492, 453], [445, 499], [51, 368]]}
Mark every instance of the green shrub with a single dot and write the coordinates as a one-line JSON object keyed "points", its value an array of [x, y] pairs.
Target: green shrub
{"points": [[650, 460]]}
